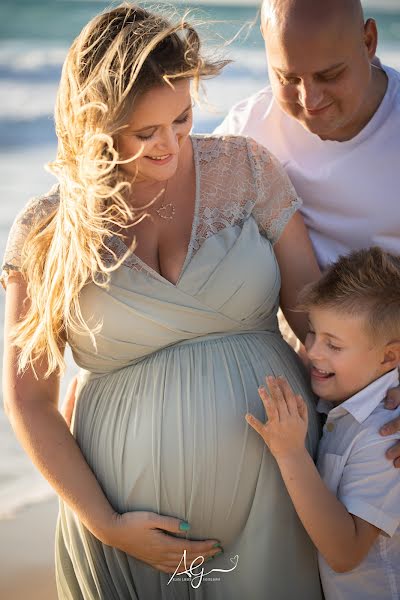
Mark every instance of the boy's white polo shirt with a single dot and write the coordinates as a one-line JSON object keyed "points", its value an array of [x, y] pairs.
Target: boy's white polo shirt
{"points": [[352, 463]]}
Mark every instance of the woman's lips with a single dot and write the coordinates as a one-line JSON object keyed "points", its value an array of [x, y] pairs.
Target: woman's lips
{"points": [[162, 161]]}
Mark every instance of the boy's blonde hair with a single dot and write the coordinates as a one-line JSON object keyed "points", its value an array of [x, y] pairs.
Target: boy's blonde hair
{"points": [[120, 55], [363, 283]]}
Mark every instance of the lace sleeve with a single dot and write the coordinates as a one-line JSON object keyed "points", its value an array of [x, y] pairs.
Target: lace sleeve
{"points": [[34, 211], [276, 198]]}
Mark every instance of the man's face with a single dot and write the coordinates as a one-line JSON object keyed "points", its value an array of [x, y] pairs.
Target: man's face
{"points": [[322, 77]]}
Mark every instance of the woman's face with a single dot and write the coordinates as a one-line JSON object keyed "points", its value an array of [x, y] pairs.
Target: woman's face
{"points": [[157, 129]]}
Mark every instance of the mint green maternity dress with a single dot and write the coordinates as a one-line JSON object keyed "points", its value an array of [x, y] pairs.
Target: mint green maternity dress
{"points": [[161, 398]]}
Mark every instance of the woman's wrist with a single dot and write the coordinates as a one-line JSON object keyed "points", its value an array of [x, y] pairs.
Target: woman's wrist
{"points": [[104, 528]]}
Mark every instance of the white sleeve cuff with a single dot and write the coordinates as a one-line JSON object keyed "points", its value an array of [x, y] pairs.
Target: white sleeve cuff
{"points": [[371, 514]]}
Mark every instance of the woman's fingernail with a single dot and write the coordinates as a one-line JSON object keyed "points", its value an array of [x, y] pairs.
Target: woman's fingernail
{"points": [[209, 558], [217, 545], [218, 554], [183, 526]]}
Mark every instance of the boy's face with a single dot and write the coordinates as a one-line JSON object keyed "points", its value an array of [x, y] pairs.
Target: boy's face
{"points": [[343, 358]]}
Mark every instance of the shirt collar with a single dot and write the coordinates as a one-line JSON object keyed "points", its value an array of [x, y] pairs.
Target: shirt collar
{"points": [[364, 402]]}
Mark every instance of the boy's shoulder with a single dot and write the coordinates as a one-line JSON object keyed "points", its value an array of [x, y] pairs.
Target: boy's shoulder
{"points": [[352, 438], [368, 430]]}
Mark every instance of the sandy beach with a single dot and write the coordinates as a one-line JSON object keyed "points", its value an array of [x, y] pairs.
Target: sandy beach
{"points": [[27, 553]]}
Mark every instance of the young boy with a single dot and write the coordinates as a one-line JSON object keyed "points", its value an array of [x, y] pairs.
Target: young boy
{"points": [[350, 506]]}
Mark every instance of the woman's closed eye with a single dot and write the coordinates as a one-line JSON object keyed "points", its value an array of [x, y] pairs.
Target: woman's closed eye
{"points": [[183, 118], [148, 136], [145, 135]]}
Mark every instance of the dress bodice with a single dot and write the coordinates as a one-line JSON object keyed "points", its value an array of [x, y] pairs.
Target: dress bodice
{"points": [[229, 281]]}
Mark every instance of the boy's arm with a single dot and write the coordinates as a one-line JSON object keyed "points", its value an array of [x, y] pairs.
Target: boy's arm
{"points": [[342, 538]]}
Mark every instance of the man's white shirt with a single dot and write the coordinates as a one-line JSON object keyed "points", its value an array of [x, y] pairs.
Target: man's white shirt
{"points": [[350, 190], [352, 463]]}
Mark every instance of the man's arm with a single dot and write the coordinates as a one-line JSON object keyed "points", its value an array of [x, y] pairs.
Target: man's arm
{"points": [[393, 427]]}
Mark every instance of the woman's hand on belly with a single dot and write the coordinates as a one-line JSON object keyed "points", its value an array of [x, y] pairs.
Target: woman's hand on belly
{"points": [[144, 536]]}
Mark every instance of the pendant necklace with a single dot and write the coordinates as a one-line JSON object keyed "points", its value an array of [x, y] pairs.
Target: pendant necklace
{"points": [[166, 211]]}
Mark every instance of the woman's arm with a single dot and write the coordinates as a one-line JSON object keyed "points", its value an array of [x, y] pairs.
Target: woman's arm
{"points": [[32, 407], [68, 405], [298, 266]]}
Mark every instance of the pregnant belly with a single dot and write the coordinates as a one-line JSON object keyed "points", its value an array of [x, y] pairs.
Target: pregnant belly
{"points": [[169, 435]]}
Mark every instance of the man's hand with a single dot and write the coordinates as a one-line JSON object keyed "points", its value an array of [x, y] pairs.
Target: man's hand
{"points": [[392, 401], [67, 407]]}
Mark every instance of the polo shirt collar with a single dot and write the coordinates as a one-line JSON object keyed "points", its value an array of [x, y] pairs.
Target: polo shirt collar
{"points": [[364, 402]]}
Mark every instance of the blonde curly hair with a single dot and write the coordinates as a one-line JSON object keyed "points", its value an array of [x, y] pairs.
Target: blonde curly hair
{"points": [[119, 55]]}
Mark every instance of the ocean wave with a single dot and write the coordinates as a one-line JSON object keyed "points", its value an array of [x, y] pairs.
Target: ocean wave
{"points": [[28, 86], [28, 57], [25, 100], [27, 132], [24, 492]]}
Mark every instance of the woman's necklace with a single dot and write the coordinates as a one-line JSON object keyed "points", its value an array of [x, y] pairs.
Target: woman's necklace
{"points": [[166, 211]]}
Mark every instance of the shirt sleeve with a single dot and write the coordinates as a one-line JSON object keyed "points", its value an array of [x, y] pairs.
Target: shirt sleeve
{"points": [[33, 212], [233, 122], [370, 485], [276, 198]]}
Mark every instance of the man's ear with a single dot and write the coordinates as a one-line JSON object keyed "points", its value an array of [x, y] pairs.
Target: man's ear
{"points": [[391, 355], [370, 37]]}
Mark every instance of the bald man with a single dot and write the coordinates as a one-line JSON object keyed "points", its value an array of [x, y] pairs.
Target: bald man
{"points": [[331, 114]]}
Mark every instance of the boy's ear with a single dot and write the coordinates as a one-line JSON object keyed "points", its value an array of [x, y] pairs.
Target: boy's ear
{"points": [[391, 356]]}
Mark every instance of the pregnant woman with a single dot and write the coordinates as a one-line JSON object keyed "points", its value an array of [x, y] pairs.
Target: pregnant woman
{"points": [[161, 258]]}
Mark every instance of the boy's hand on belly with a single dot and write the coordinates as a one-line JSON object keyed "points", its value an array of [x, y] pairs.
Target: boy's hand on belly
{"points": [[151, 538], [286, 428]]}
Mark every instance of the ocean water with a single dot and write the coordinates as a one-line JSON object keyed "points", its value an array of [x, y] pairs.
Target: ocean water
{"points": [[34, 37]]}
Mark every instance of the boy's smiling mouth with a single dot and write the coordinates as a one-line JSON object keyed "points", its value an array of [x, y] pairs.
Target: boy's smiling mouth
{"points": [[320, 374]]}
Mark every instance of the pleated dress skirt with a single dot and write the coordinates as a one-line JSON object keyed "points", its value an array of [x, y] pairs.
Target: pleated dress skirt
{"points": [[168, 435]]}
